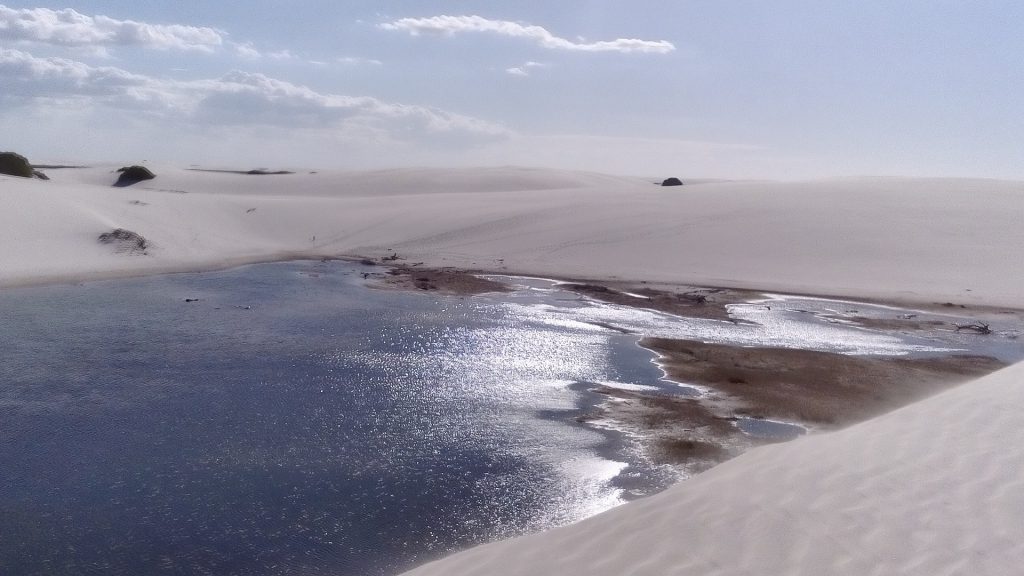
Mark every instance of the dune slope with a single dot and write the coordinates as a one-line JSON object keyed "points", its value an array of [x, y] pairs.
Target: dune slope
{"points": [[924, 240]]}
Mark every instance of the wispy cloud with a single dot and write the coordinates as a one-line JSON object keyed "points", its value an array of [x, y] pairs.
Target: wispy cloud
{"points": [[73, 29], [246, 50], [523, 70], [450, 25], [358, 61], [237, 98]]}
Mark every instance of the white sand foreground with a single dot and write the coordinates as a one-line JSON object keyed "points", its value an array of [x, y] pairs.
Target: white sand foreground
{"points": [[934, 488]]}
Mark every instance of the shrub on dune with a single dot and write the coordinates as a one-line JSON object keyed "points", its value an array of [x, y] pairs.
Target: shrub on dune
{"points": [[132, 174], [14, 164]]}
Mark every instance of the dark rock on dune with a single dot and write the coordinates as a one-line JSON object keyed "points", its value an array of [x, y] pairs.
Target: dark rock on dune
{"points": [[262, 172], [672, 182], [14, 164], [124, 240], [132, 174], [39, 175]]}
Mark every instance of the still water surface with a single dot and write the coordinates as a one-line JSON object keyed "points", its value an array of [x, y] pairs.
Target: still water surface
{"points": [[290, 421]]}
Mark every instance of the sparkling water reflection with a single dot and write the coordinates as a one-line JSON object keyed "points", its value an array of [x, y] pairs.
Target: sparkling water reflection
{"points": [[290, 420]]}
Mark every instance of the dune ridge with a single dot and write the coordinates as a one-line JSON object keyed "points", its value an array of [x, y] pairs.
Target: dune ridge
{"points": [[906, 239]]}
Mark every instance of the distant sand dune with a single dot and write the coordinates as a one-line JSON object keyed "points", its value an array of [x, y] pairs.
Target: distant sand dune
{"points": [[914, 239]]}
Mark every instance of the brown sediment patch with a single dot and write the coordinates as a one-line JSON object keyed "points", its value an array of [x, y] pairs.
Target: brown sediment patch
{"points": [[689, 301], [818, 388], [441, 280], [896, 324], [685, 432], [814, 389], [699, 454]]}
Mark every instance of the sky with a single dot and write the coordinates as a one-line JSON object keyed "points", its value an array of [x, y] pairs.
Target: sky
{"points": [[788, 89]]}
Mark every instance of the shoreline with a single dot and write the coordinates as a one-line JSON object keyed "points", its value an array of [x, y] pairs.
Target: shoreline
{"points": [[691, 434], [719, 294]]}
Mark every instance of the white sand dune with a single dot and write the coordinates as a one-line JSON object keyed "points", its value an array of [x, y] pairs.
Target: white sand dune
{"points": [[934, 488], [893, 238]]}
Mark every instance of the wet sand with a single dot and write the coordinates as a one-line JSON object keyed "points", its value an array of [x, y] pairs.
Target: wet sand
{"points": [[389, 272], [815, 390], [687, 301], [821, 389]]}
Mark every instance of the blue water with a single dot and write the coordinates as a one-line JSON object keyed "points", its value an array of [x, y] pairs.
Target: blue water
{"points": [[294, 420], [290, 421]]}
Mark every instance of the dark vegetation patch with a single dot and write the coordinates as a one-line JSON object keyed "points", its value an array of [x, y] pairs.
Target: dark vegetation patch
{"points": [[268, 172], [125, 241], [673, 181], [133, 174], [14, 164], [255, 172]]}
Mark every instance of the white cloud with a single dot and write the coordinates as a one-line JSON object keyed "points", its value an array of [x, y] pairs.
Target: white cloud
{"points": [[281, 55], [26, 78], [246, 50], [450, 25], [235, 99], [73, 29], [357, 61], [524, 69]]}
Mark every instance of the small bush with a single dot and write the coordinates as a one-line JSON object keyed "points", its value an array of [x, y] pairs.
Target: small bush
{"points": [[124, 240], [14, 164], [132, 174], [672, 182]]}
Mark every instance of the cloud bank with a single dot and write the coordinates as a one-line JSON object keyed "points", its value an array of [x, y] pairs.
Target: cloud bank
{"points": [[237, 98], [450, 25], [72, 29]]}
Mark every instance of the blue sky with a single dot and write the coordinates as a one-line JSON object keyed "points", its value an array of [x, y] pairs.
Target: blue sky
{"points": [[784, 89]]}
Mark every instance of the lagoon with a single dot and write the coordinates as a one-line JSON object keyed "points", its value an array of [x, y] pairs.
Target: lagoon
{"points": [[289, 418]]}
